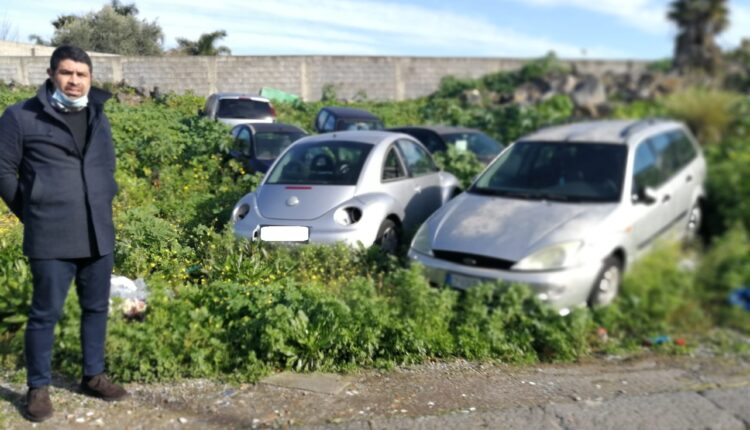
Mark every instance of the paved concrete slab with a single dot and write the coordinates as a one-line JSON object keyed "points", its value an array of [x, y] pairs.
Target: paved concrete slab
{"points": [[736, 401], [325, 383], [686, 410]]}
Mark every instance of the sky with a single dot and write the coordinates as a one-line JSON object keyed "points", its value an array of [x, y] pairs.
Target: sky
{"points": [[593, 29]]}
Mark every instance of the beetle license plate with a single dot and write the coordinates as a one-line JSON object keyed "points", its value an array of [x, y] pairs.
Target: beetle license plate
{"points": [[463, 282], [284, 233]]}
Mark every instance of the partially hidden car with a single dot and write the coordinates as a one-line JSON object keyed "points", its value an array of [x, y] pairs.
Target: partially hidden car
{"points": [[357, 187], [238, 108], [258, 145], [567, 209], [337, 118], [438, 138]]}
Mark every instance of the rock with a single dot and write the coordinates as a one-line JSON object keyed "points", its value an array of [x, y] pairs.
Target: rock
{"points": [[526, 94], [589, 94], [472, 97]]}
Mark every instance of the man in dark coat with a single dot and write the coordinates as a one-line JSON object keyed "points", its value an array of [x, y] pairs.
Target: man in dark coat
{"points": [[57, 166]]}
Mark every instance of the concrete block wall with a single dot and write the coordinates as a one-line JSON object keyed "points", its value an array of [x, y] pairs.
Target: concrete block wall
{"points": [[379, 78]]}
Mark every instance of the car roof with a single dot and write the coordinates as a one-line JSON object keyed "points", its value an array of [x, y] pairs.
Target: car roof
{"points": [[598, 131], [241, 96], [439, 129], [273, 127], [350, 112]]}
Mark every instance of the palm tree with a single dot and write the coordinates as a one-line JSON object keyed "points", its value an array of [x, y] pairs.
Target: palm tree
{"points": [[698, 22], [204, 45]]}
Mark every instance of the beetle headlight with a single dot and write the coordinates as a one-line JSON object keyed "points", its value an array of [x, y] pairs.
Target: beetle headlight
{"points": [[421, 242], [347, 215], [240, 212], [553, 257]]}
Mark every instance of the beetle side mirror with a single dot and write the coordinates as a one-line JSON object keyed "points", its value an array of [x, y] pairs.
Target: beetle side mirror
{"points": [[646, 195]]}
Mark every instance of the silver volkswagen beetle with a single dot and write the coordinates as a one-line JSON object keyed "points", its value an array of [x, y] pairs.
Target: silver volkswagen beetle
{"points": [[567, 209], [353, 186]]}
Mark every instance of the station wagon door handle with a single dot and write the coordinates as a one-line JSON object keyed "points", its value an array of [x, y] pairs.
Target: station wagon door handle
{"points": [[666, 198], [689, 178]]}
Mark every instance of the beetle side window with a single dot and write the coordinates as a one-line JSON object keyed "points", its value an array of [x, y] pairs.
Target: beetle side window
{"points": [[646, 172], [392, 168], [417, 160]]}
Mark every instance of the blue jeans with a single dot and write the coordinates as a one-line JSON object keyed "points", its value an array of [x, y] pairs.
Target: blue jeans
{"points": [[52, 279]]}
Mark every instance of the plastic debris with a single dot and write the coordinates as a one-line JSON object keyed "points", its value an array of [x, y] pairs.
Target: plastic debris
{"points": [[657, 340], [602, 334], [133, 293], [740, 297]]}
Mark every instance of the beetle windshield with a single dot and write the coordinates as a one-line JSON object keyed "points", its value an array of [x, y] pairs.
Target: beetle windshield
{"points": [[324, 163], [563, 171]]}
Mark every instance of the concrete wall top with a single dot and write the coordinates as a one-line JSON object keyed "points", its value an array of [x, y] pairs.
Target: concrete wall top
{"points": [[16, 49], [377, 77]]}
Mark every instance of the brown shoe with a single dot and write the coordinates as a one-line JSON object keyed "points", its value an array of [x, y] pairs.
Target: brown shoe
{"points": [[100, 386], [38, 404]]}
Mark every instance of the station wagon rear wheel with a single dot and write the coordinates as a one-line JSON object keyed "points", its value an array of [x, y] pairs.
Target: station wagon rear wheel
{"points": [[389, 237], [695, 218], [607, 284]]}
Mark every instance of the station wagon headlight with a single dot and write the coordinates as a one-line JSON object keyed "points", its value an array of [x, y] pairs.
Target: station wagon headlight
{"points": [[347, 215], [421, 242], [553, 257]]}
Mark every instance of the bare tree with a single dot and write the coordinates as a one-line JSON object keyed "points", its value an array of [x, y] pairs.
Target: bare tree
{"points": [[7, 31]]}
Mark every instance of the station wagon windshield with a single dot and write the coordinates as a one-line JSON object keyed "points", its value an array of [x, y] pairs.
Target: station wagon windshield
{"points": [[560, 171], [321, 163]]}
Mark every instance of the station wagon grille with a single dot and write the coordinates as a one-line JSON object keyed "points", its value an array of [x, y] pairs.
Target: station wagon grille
{"points": [[474, 260]]}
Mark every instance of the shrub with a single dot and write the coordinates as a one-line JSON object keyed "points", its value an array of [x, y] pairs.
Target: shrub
{"points": [[708, 112]]}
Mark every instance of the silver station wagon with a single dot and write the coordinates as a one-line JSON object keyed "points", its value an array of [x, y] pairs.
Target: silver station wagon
{"points": [[351, 186], [567, 209]]}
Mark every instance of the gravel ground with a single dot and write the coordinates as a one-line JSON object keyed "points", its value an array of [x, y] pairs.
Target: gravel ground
{"points": [[431, 389]]}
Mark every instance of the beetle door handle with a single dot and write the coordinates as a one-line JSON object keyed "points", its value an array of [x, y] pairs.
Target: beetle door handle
{"points": [[666, 198], [689, 178]]}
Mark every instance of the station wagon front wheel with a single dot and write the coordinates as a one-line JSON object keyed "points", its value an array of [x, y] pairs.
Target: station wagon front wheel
{"points": [[607, 284]]}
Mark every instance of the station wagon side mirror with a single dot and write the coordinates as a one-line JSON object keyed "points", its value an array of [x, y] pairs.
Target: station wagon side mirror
{"points": [[646, 195]]}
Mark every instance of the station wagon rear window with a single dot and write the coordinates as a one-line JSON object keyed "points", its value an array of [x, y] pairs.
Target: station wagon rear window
{"points": [[321, 163], [243, 109]]}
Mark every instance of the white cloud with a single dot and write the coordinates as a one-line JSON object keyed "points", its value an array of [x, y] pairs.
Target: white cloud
{"points": [[363, 27], [646, 15], [739, 25]]}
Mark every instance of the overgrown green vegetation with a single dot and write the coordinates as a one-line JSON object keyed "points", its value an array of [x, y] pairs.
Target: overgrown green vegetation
{"points": [[225, 308]]}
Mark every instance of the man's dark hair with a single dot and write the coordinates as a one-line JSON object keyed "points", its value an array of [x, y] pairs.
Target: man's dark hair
{"points": [[69, 52]]}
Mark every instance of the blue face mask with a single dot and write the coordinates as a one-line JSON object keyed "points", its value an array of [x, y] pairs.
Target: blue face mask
{"points": [[65, 103]]}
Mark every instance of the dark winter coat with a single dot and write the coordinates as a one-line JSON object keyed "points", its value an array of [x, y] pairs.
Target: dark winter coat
{"points": [[62, 195]]}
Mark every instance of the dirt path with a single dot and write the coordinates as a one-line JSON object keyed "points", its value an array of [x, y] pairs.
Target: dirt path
{"points": [[433, 389]]}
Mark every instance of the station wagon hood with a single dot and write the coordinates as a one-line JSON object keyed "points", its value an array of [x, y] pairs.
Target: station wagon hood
{"points": [[301, 202], [510, 228]]}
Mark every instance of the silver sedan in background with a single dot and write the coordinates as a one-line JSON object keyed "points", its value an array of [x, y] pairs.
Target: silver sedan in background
{"points": [[567, 209], [364, 187]]}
